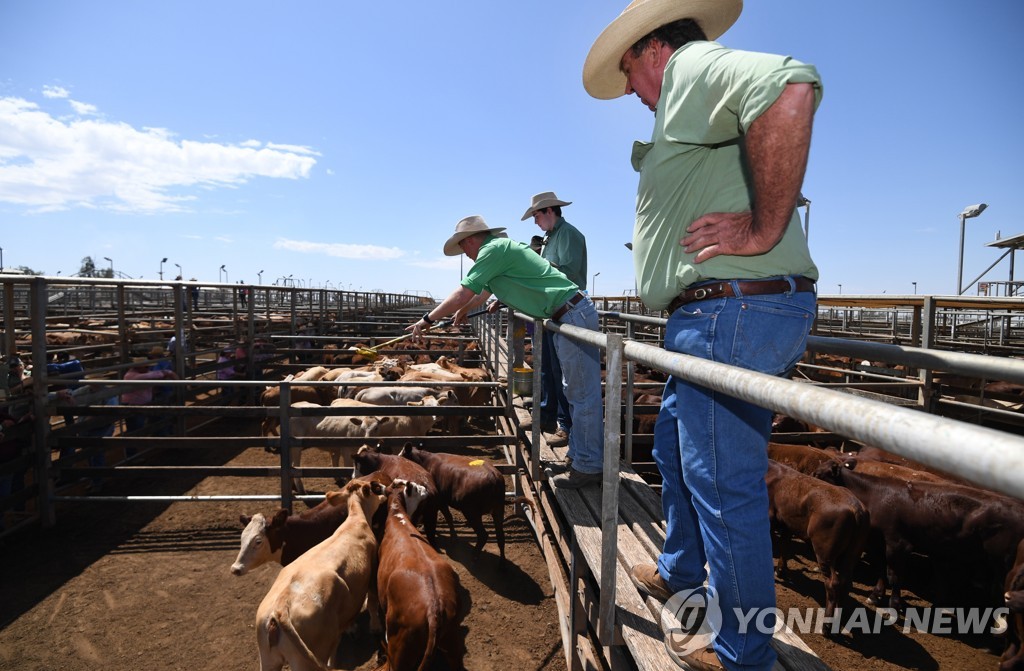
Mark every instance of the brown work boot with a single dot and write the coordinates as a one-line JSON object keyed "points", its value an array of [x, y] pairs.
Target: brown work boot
{"points": [[557, 439], [649, 581], [702, 660]]}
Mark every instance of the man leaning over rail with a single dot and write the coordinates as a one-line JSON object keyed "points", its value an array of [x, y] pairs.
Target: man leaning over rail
{"points": [[717, 242], [525, 282]]}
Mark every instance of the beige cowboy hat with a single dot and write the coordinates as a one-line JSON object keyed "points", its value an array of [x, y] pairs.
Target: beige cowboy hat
{"points": [[601, 74], [469, 226], [542, 201]]}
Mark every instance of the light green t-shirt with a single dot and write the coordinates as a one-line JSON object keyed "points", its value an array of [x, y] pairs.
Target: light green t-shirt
{"points": [[566, 249], [519, 277], [694, 165]]}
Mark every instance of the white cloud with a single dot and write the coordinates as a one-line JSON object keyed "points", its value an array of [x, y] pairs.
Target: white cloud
{"points": [[85, 109], [223, 238], [49, 164], [55, 92], [372, 252]]}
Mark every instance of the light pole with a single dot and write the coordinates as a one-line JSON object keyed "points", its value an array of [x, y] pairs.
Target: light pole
{"points": [[180, 276], [969, 212], [260, 276], [593, 283], [840, 289], [915, 287], [220, 273], [1, 259], [162, 262], [107, 258], [805, 202]]}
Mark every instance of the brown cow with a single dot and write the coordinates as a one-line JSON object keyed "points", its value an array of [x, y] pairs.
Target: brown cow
{"points": [[418, 589], [878, 454], [1012, 658], [803, 458], [316, 597], [830, 518], [367, 460], [943, 520], [285, 537], [468, 484]]}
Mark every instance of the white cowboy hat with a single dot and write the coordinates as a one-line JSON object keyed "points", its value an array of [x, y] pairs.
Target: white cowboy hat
{"points": [[601, 74], [543, 201], [469, 226]]}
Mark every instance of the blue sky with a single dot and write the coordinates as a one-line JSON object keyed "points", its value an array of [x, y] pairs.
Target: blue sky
{"points": [[340, 142]]}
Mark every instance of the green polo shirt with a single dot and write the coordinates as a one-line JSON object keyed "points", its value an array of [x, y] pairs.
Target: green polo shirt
{"points": [[566, 249], [695, 165], [519, 277]]}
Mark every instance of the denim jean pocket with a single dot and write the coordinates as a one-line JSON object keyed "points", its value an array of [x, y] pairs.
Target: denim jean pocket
{"points": [[692, 330], [770, 336]]}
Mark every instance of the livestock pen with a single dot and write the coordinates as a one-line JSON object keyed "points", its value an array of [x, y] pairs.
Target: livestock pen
{"points": [[588, 536]]}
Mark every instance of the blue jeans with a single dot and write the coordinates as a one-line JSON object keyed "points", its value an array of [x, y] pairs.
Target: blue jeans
{"points": [[581, 382], [711, 450], [554, 406]]}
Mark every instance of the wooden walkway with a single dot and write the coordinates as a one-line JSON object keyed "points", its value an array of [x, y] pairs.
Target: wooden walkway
{"points": [[571, 538]]}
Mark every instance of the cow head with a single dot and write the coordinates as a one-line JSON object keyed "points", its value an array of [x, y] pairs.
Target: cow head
{"points": [[260, 541], [407, 495]]}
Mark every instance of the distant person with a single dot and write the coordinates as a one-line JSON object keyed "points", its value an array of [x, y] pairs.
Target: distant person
{"points": [[194, 290], [565, 248], [140, 395], [518, 278], [243, 295]]}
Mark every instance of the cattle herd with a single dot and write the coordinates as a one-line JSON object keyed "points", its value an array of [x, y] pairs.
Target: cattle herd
{"points": [[371, 544], [876, 508]]}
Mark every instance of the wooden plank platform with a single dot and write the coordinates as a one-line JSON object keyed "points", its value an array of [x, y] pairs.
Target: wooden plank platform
{"points": [[573, 517]]}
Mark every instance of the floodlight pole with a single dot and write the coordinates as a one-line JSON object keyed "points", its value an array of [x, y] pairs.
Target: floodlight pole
{"points": [[969, 212], [162, 262]]}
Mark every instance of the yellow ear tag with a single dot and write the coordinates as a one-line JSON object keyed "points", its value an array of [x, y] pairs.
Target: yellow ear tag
{"points": [[477, 462]]}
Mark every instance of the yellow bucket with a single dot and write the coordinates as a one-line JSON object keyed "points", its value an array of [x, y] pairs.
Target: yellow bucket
{"points": [[522, 381]]}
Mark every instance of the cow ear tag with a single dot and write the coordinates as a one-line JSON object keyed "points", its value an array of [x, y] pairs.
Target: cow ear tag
{"points": [[477, 462]]}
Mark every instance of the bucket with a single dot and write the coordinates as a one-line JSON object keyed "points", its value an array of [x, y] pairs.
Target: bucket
{"points": [[522, 381]]}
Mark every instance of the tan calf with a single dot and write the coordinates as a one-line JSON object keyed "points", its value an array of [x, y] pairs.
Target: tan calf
{"points": [[316, 597]]}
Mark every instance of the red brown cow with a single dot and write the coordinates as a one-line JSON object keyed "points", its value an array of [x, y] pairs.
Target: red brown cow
{"points": [[830, 518], [469, 484], [1012, 658], [418, 590], [285, 537], [367, 461], [943, 520], [878, 454], [803, 458]]}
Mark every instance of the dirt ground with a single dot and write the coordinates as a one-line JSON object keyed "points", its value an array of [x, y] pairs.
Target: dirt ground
{"points": [[123, 586]]}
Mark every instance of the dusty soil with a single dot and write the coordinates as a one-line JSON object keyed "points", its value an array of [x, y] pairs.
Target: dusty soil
{"points": [[124, 586]]}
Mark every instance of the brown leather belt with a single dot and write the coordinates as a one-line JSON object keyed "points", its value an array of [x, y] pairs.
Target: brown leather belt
{"points": [[747, 288], [560, 312]]}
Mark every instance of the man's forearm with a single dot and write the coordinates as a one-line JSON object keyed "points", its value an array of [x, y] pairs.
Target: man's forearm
{"points": [[777, 145]]}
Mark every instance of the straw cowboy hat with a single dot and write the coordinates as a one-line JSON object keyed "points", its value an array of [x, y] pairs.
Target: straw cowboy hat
{"points": [[601, 75], [157, 350], [469, 226], [543, 201]]}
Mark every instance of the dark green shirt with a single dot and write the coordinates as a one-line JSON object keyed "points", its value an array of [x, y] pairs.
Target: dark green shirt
{"points": [[566, 249]]}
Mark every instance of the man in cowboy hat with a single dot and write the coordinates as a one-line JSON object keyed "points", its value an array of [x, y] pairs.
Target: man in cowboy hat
{"points": [[525, 282], [566, 249], [717, 243]]}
